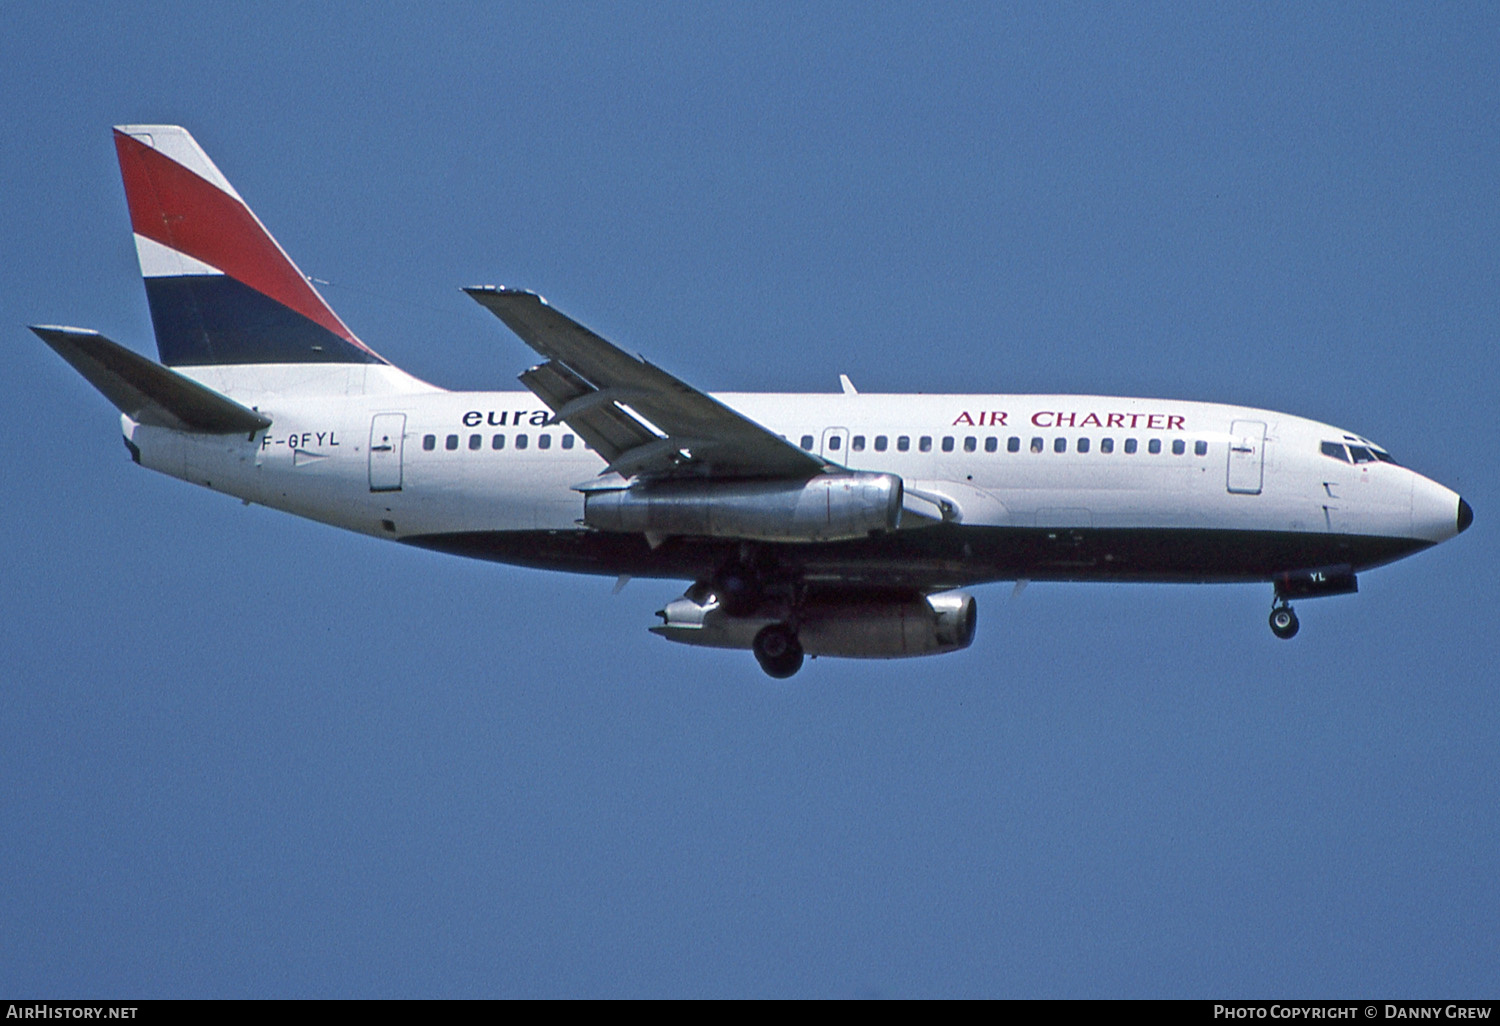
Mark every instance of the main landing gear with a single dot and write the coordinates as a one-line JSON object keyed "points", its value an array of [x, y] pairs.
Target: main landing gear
{"points": [[778, 651], [1283, 621]]}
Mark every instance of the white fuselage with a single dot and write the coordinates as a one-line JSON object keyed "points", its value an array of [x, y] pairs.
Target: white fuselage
{"points": [[411, 462]]}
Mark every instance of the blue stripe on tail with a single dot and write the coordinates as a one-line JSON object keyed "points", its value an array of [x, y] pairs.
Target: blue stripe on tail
{"points": [[207, 319]]}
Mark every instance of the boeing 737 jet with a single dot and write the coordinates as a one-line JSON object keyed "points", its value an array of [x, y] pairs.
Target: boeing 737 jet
{"points": [[838, 524]]}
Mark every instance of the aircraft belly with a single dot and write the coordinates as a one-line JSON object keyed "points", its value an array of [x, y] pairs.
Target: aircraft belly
{"points": [[945, 556]]}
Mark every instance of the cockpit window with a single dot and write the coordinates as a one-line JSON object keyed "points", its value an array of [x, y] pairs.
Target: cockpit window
{"points": [[1361, 454], [1358, 446], [1336, 450]]}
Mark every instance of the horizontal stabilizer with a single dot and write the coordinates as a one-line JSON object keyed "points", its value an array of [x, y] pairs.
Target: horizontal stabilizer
{"points": [[147, 392]]}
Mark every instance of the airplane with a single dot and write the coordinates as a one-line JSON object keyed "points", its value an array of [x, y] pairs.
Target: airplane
{"points": [[837, 524]]}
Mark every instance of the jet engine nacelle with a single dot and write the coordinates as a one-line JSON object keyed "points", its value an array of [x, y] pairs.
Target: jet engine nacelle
{"points": [[831, 507], [856, 627]]}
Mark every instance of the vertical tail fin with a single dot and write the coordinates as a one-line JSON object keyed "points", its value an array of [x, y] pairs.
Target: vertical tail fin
{"points": [[221, 290]]}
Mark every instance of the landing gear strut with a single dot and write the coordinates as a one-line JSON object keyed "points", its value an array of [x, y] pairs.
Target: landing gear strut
{"points": [[778, 651], [1283, 621]]}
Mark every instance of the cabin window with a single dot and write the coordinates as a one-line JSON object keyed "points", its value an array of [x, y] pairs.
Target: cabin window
{"points": [[567, 441], [520, 441], [1154, 446], [903, 443], [857, 443], [451, 442], [991, 444], [1083, 445], [475, 441], [1200, 448], [807, 442], [497, 442], [947, 443], [1106, 445], [429, 442], [834, 441], [544, 441], [1037, 445], [1130, 445], [1178, 447], [880, 443], [925, 443], [1013, 444], [1059, 445], [971, 444]]}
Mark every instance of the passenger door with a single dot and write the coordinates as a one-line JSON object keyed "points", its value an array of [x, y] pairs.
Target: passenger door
{"points": [[387, 435], [1247, 445]]}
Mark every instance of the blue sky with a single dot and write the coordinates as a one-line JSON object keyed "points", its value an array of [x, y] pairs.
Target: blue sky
{"points": [[247, 755]]}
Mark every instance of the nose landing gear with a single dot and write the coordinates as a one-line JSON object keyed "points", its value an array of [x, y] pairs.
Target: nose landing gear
{"points": [[1283, 621]]}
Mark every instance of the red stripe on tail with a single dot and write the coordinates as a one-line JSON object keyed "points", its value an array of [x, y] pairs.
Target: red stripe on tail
{"points": [[173, 206]]}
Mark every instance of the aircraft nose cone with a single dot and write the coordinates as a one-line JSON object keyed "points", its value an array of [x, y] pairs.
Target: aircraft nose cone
{"points": [[1465, 516]]}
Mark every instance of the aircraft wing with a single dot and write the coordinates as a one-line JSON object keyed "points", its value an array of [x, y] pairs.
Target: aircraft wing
{"points": [[637, 416]]}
